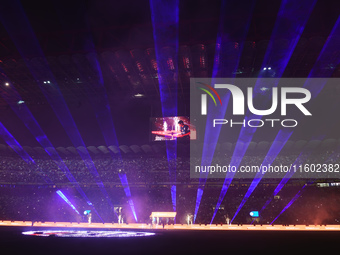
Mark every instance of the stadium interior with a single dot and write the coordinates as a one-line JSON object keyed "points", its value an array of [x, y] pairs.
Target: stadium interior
{"points": [[81, 82]]}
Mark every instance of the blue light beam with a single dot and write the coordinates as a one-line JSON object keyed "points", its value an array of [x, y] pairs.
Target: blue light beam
{"points": [[32, 125], [278, 55], [101, 107], [290, 203], [14, 144], [67, 201], [165, 16], [124, 181], [16, 24], [226, 61], [324, 59], [334, 155], [270, 157]]}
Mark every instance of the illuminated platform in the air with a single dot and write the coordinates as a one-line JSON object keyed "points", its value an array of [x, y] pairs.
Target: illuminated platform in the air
{"points": [[141, 226]]}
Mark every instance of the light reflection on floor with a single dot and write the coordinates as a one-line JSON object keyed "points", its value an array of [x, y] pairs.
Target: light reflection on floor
{"points": [[82, 233]]}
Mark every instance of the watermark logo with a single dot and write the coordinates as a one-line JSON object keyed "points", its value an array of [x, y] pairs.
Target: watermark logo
{"points": [[246, 101], [204, 97], [239, 99], [235, 117]]}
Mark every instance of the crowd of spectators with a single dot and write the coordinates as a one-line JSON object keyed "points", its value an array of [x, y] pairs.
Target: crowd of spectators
{"points": [[139, 169], [28, 191]]}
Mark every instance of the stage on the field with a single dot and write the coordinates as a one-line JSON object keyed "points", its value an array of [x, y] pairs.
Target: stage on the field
{"points": [[172, 227]]}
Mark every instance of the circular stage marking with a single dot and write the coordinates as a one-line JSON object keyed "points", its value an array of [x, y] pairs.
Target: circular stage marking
{"points": [[85, 233]]}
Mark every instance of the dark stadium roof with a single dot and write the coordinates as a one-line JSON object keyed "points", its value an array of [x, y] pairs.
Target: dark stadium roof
{"points": [[123, 42]]}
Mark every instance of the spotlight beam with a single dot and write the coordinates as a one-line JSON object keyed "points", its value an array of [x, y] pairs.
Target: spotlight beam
{"points": [[67, 201], [32, 125], [40, 71], [273, 152], [290, 203], [124, 181], [225, 65], [300, 159], [282, 55], [164, 17], [15, 145], [299, 193], [315, 88], [304, 155], [102, 108]]}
